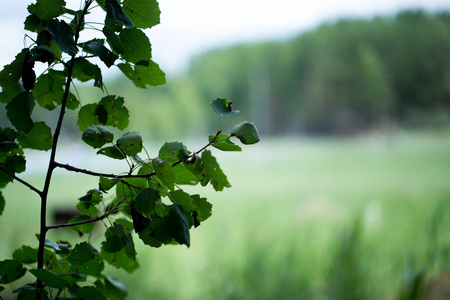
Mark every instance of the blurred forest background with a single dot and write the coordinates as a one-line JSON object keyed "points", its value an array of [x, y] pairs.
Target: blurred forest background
{"points": [[344, 77], [347, 195]]}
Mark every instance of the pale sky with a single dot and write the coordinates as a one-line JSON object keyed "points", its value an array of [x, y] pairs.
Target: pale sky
{"points": [[189, 27]]}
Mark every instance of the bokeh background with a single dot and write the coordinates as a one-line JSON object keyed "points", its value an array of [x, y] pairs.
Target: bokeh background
{"points": [[347, 196]]}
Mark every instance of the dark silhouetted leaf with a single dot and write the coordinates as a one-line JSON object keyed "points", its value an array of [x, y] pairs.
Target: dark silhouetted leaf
{"points": [[246, 132], [19, 111], [25, 255], [145, 200], [2, 202], [50, 278], [90, 293], [43, 53], [112, 152], [103, 53], [11, 270], [62, 36], [113, 39], [114, 12]]}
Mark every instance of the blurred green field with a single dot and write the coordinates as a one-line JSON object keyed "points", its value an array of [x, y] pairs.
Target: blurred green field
{"points": [[354, 218]]}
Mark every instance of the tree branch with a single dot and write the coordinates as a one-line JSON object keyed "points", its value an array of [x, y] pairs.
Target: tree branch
{"points": [[87, 172], [12, 176]]}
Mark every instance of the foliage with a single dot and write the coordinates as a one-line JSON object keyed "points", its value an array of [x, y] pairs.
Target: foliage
{"points": [[147, 198]]}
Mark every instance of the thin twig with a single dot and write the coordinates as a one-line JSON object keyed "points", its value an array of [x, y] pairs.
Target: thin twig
{"points": [[92, 173], [12, 176]]}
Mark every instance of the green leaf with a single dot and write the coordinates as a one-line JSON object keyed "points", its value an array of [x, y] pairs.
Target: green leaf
{"points": [[34, 24], [163, 170], [11, 270], [90, 293], [115, 289], [130, 143], [103, 53], [2, 203], [96, 136], [112, 244], [184, 176], [112, 152], [72, 102], [145, 200], [202, 207], [83, 70], [144, 14], [137, 46], [222, 142], [148, 237], [81, 254], [222, 107], [149, 73], [87, 116], [113, 39], [25, 255], [83, 228], [114, 12], [50, 278], [118, 115], [105, 184], [246, 132], [121, 260], [87, 208], [131, 74], [48, 89], [212, 169], [15, 164], [19, 111], [178, 226], [93, 196], [169, 151], [49, 9], [60, 248], [182, 199], [11, 74], [39, 137], [62, 36], [43, 53]]}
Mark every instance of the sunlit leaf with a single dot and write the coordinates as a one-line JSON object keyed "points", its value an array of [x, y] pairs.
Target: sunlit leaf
{"points": [[144, 14], [113, 39], [202, 207], [87, 116], [128, 71], [117, 114], [136, 44], [169, 151], [246, 132], [49, 9], [149, 73]]}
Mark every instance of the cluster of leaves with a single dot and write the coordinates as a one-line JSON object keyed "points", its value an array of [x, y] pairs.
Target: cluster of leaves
{"points": [[147, 199]]}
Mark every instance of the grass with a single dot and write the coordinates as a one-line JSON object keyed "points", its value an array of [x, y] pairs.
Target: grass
{"points": [[355, 218]]}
